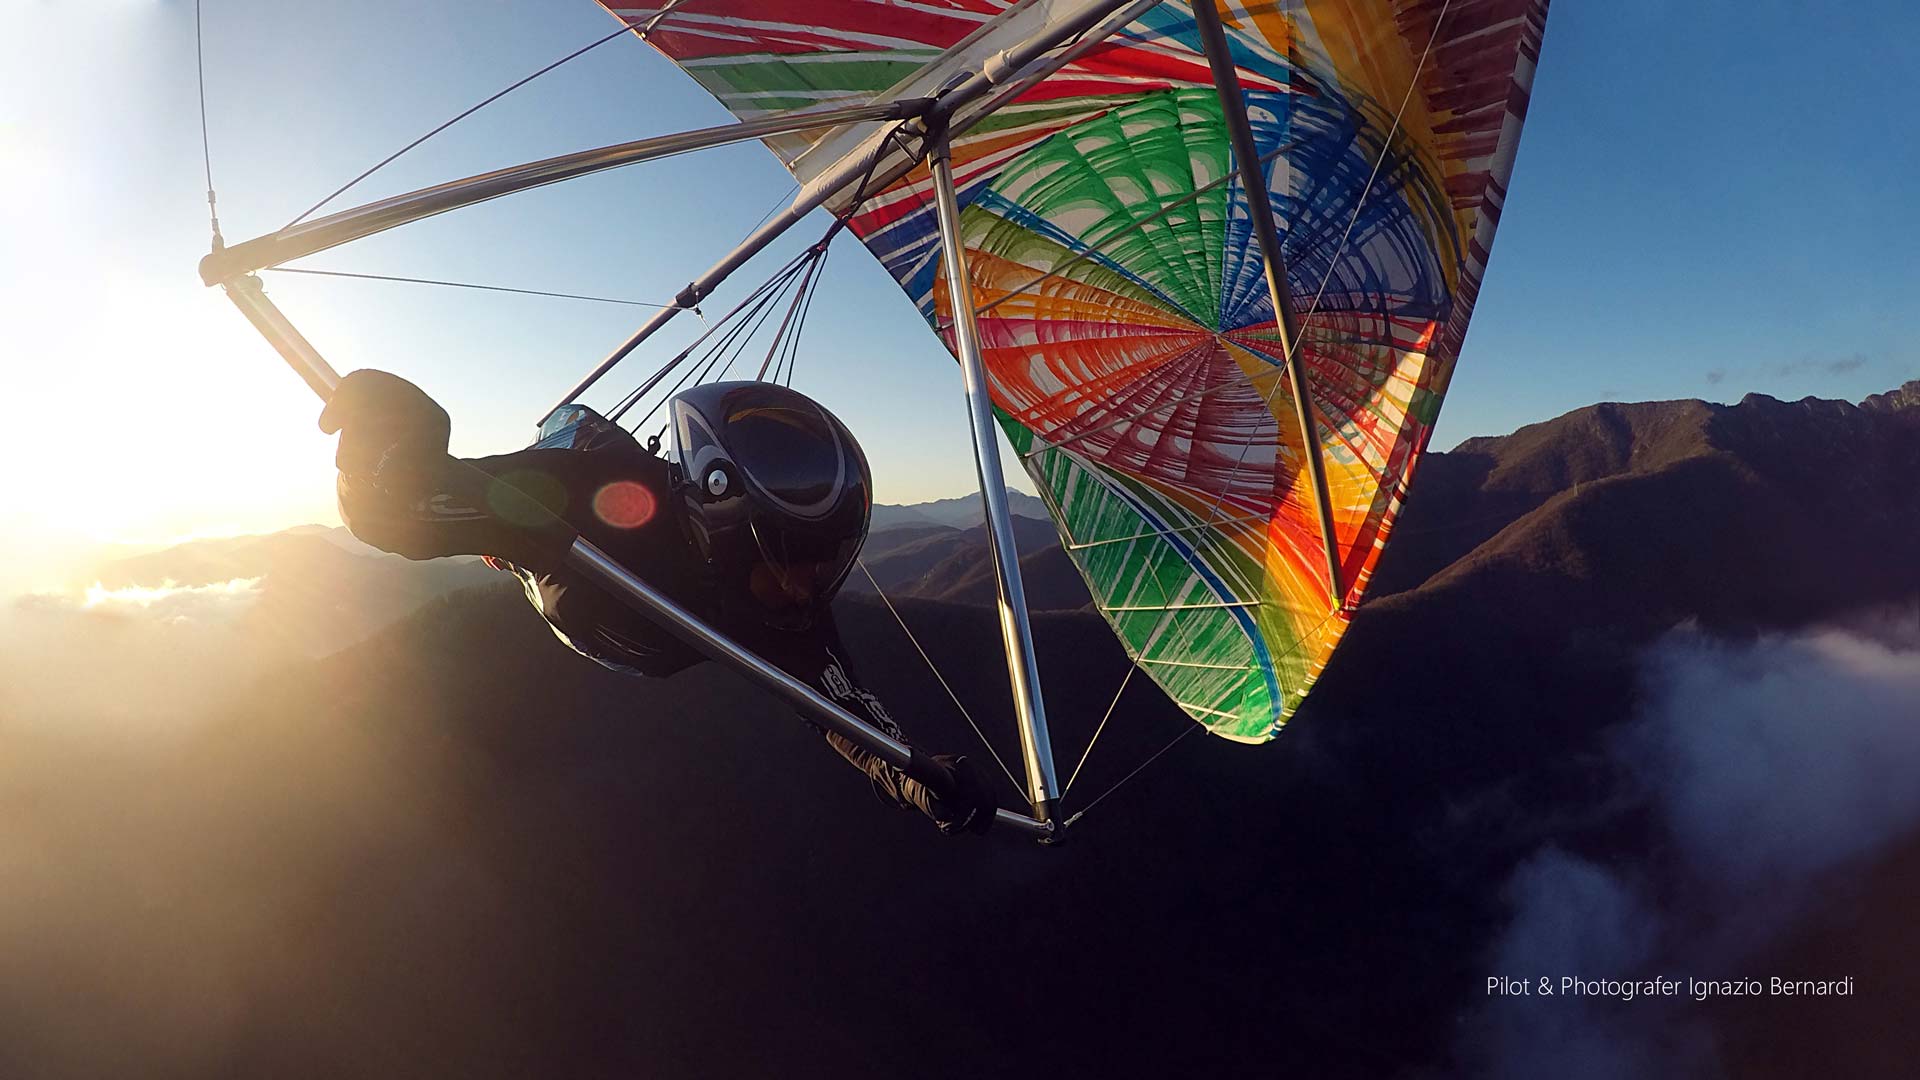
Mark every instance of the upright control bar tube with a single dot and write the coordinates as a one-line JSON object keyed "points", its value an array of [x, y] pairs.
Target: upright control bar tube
{"points": [[247, 295], [1043, 786], [589, 561], [1233, 104]]}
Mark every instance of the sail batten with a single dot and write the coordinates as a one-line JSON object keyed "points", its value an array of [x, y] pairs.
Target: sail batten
{"points": [[1131, 342]]}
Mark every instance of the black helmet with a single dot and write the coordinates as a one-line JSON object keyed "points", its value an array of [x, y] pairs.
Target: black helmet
{"points": [[777, 494]]}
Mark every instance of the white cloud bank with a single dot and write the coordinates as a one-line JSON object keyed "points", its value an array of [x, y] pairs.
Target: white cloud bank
{"points": [[135, 653], [175, 603], [1771, 768]]}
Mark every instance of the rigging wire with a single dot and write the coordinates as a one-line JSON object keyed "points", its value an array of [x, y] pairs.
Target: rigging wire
{"points": [[776, 283], [778, 280], [786, 199], [806, 261], [1190, 729], [793, 352], [625, 28], [206, 146], [756, 306], [460, 285], [786, 321], [1298, 645], [931, 666], [1184, 631], [634, 397], [736, 344], [1068, 790], [739, 333], [740, 341], [786, 340], [840, 222]]}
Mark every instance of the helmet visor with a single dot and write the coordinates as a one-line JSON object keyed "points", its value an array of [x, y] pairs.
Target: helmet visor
{"points": [[800, 569], [791, 453]]}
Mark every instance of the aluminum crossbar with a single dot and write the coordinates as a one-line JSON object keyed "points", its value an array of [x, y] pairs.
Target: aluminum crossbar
{"points": [[363, 221]]}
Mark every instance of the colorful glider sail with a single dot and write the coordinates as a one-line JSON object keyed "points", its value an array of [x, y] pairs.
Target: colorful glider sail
{"points": [[1131, 342]]}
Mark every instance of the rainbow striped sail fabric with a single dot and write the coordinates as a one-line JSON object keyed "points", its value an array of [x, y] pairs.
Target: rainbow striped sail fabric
{"points": [[1130, 337]]}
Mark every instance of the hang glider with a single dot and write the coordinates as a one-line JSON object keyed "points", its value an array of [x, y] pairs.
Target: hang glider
{"points": [[1208, 269]]}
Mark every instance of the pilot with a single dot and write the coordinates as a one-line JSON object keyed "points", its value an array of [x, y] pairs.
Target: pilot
{"points": [[752, 525]]}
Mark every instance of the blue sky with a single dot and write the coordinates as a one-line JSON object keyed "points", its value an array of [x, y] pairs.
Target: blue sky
{"points": [[1712, 198]]}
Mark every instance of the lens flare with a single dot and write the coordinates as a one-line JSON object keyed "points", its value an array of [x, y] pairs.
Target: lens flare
{"points": [[624, 504], [541, 487]]}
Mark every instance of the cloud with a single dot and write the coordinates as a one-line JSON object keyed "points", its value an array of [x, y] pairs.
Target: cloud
{"points": [[166, 603], [1770, 770], [1788, 369], [1575, 917], [174, 603], [1786, 758], [1809, 365], [158, 909], [170, 651]]}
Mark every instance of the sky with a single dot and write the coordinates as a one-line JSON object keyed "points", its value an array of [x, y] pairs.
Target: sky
{"points": [[1712, 198]]}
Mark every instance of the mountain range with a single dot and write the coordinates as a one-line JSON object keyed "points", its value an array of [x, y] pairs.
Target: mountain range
{"points": [[455, 848], [959, 512]]}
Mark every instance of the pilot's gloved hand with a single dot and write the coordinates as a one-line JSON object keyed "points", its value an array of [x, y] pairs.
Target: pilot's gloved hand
{"points": [[392, 435], [963, 799]]}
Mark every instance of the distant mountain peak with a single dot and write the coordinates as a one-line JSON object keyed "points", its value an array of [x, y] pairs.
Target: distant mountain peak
{"points": [[1584, 494], [1906, 396]]}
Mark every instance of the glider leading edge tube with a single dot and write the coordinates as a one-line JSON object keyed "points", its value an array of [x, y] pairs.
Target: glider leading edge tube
{"points": [[348, 225], [1043, 787], [589, 560], [854, 166]]}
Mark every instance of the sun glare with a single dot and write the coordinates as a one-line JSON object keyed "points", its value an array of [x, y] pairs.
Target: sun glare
{"points": [[150, 408], [158, 421]]}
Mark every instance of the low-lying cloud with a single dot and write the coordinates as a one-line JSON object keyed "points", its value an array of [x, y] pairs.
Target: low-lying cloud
{"points": [[1784, 759], [175, 603], [153, 652], [184, 865], [1771, 769]]}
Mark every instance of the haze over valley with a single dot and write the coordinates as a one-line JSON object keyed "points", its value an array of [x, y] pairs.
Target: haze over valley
{"points": [[1632, 695]]}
